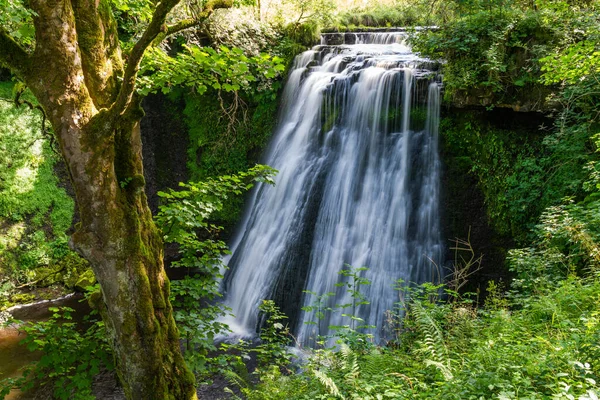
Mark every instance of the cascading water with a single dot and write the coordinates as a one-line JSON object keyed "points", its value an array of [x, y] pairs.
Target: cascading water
{"points": [[358, 184]]}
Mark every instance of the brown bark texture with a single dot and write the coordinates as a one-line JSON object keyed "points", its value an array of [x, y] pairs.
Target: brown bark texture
{"points": [[79, 76]]}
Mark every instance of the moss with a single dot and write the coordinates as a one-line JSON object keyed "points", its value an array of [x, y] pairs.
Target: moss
{"points": [[35, 210], [306, 34], [98, 132], [85, 280], [210, 138], [518, 169], [22, 298], [329, 120], [95, 299]]}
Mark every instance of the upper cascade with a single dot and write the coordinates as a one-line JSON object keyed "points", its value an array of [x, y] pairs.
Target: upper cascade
{"points": [[358, 185], [363, 38]]}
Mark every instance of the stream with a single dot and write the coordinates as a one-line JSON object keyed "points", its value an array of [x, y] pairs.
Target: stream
{"points": [[13, 357]]}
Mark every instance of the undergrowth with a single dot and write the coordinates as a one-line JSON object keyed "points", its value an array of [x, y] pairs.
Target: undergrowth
{"points": [[72, 355], [35, 210]]}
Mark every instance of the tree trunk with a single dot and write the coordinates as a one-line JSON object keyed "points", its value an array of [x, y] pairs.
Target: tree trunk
{"points": [[95, 116]]}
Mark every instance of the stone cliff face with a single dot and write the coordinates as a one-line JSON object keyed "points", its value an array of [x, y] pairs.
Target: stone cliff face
{"points": [[464, 204], [464, 216], [165, 143], [531, 98]]}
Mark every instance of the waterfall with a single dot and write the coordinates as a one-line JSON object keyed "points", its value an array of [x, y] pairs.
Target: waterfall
{"points": [[358, 184]]}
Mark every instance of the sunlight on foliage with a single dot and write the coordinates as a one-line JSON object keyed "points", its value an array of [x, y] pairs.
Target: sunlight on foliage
{"points": [[35, 212], [203, 68]]}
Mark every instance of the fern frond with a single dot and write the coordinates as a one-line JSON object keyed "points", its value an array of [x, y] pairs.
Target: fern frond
{"points": [[234, 396], [328, 383], [345, 351], [236, 379], [350, 363], [444, 369], [377, 363], [433, 339]]}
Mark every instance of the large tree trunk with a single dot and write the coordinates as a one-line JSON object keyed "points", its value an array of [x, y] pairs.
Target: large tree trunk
{"points": [[73, 73]]}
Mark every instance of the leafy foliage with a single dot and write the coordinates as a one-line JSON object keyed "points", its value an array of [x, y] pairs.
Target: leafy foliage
{"points": [[203, 67], [490, 54], [35, 210], [352, 334], [521, 169], [541, 347], [397, 14], [211, 135], [274, 337], [16, 19], [184, 218], [71, 357]]}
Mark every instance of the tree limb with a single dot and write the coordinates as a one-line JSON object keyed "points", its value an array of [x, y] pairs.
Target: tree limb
{"points": [[99, 47], [29, 284], [12, 55], [184, 24], [157, 25]]}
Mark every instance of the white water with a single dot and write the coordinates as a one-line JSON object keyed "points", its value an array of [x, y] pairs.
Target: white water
{"points": [[358, 184]]}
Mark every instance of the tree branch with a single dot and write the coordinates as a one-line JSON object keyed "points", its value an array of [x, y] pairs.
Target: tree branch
{"points": [[99, 47], [12, 55], [209, 7], [156, 32], [157, 25], [182, 25]]}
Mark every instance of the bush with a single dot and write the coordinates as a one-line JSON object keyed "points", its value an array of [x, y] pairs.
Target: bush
{"points": [[71, 357]]}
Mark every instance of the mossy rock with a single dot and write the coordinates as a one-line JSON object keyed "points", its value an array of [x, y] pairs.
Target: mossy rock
{"points": [[22, 298]]}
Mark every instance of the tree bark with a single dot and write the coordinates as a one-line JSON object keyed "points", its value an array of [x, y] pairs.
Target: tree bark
{"points": [[73, 73]]}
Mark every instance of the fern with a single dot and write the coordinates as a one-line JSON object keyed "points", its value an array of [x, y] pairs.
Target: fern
{"points": [[444, 369], [232, 394], [377, 363], [433, 342], [350, 364], [236, 379], [328, 383]]}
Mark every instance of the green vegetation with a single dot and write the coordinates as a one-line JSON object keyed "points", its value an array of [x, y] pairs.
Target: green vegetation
{"points": [[71, 356], [528, 56], [230, 102], [547, 349], [495, 52], [399, 14], [539, 340], [184, 219], [227, 70], [492, 56], [35, 210], [521, 170], [212, 134], [534, 337]]}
